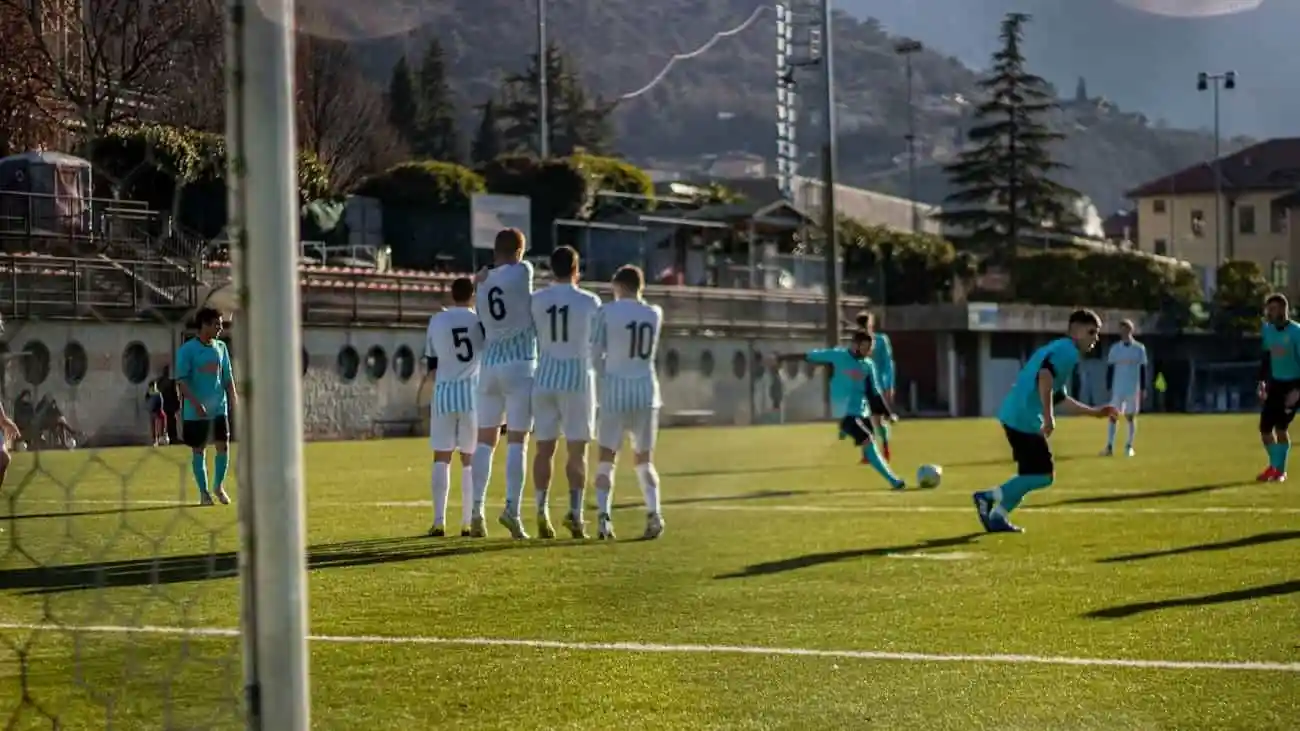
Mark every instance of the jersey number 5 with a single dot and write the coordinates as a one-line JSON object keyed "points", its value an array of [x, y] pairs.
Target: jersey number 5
{"points": [[559, 323], [496, 305], [641, 340], [464, 348]]}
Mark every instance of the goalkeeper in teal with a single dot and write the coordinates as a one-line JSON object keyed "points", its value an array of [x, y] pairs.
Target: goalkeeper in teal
{"points": [[1279, 385], [1028, 418], [855, 394], [882, 355]]}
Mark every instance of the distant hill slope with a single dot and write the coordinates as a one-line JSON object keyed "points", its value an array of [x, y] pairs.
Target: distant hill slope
{"points": [[621, 45]]}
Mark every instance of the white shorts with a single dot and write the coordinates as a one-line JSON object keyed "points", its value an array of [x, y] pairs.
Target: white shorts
{"points": [[1128, 404], [642, 424], [453, 432], [505, 396], [571, 414]]}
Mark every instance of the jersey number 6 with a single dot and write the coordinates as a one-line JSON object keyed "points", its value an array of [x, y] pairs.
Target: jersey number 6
{"points": [[496, 305], [464, 348]]}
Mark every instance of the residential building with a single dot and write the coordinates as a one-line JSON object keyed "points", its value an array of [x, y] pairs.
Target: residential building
{"points": [[1177, 215]]}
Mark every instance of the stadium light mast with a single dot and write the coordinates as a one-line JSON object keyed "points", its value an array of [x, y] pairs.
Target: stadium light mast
{"points": [[543, 70], [905, 49], [1213, 83]]}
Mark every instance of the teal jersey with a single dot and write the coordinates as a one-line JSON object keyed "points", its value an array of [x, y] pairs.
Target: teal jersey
{"points": [[1282, 343], [206, 370], [1022, 409], [852, 379], [882, 355]]}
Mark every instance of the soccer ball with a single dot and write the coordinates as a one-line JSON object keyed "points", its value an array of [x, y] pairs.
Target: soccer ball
{"points": [[929, 475]]}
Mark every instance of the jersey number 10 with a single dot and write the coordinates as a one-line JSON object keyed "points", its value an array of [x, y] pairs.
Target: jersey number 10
{"points": [[641, 340]]}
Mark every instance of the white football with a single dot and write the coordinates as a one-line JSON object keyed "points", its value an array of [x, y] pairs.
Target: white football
{"points": [[929, 475]]}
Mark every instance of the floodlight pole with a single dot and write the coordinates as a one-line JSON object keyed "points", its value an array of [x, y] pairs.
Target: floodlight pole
{"points": [[906, 49], [1214, 82], [543, 92]]}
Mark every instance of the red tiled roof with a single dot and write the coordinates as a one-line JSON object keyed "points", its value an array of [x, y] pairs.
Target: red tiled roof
{"points": [[1269, 165]]}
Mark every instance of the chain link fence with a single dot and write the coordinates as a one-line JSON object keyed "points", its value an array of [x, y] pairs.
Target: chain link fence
{"points": [[122, 594]]}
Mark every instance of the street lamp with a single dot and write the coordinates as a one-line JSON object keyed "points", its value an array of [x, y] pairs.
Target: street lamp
{"points": [[1214, 82], [905, 49]]}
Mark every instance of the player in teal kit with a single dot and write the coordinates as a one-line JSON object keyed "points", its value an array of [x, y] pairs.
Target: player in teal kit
{"points": [[855, 394], [207, 385], [1279, 385], [882, 356], [1028, 417]]}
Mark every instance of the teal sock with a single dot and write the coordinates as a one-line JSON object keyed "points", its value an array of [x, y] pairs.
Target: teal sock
{"points": [[1282, 450], [1011, 492], [1271, 450], [884, 433], [199, 463], [222, 463], [878, 463]]}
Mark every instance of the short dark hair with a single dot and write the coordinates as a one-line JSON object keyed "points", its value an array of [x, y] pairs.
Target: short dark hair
{"points": [[1279, 298], [862, 336], [866, 319], [564, 261], [630, 277], [462, 290], [207, 316], [1085, 317], [509, 241]]}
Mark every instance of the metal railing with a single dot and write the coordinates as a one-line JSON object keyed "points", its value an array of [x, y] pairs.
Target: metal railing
{"points": [[50, 286]]}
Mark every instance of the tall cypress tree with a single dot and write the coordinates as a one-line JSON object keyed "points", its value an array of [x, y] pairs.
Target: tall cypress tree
{"points": [[487, 141], [436, 135], [1003, 188], [402, 108], [576, 120]]}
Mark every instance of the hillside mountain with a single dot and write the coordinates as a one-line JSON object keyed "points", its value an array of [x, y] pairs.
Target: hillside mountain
{"points": [[725, 100]]}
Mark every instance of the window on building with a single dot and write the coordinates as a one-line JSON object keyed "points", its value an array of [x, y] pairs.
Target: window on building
{"points": [[1158, 205], [1276, 218], [1198, 223], [1246, 220], [1278, 272], [1161, 247]]}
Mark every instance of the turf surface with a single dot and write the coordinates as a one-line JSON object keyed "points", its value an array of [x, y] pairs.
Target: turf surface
{"points": [[778, 543]]}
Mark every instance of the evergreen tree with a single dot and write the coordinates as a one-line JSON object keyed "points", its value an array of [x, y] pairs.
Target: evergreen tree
{"points": [[1003, 188], [487, 141], [1081, 90], [436, 135], [402, 108], [576, 120]]}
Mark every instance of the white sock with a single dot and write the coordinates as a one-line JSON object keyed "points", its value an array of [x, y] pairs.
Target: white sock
{"points": [[516, 457], [482, 474], [604, 487], [1132, 431], [1110, 434], [466, 495], [649, 479], [441, 486]]}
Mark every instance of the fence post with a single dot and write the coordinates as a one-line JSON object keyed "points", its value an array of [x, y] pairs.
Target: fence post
{"points": [[262, 176]]}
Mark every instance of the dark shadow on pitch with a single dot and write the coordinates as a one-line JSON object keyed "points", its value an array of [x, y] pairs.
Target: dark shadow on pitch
{"points": [[818, 559], [1147, 495], [11, 517], [1255, 540], [206, 567], [746, 471], [1226, 597], [759, 495], [1008, 461]]}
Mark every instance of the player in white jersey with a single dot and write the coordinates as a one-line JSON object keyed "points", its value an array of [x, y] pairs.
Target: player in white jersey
{"points": [[625, 339], [506, 375], [564, 389], [1126, 376], [453, 345]]}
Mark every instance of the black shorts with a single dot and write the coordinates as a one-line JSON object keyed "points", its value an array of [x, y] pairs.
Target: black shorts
{"points": [[1032, 453], [199, 433], [1275, 415], [857, 428]]}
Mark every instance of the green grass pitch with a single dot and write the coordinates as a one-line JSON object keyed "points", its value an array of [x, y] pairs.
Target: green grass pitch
{"points": [[791, 590]]}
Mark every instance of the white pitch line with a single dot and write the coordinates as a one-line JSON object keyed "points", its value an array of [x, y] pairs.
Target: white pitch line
{"points": [[737, 507], [652, 648]]}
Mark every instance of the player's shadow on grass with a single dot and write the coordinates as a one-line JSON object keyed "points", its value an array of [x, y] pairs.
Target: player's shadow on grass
{"points": [[817, 559], [206, 567], [11, 517], [1007, 460], [759, 495], [1123, 497], [746, 471], [1255, 540], [1226, 597]]}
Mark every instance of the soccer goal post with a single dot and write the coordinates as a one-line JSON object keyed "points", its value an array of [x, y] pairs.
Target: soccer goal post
{"points": [[262, 178]]}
